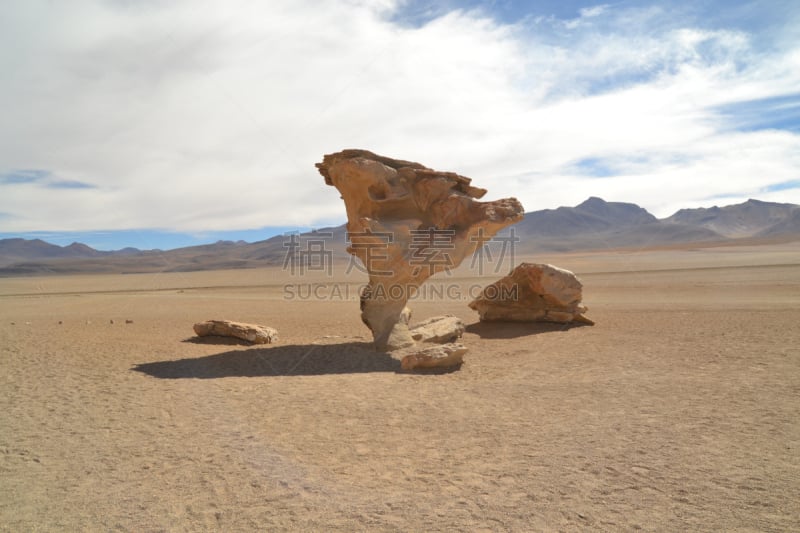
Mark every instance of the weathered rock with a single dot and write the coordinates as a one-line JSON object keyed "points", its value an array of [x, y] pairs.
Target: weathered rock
{"points": [[437, 356], [253, 333], [406, 222], [533, 293], [438, 329]]}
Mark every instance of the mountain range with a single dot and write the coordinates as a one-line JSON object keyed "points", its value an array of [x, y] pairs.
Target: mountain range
{"points": [[592, 225]]}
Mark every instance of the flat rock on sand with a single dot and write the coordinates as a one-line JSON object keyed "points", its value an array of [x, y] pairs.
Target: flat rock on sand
{"points": [[438, 329], [448, 355], [254, 333]]}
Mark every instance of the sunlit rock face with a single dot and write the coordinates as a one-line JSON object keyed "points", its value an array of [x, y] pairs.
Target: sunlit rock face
{"points": [[405, 223]]}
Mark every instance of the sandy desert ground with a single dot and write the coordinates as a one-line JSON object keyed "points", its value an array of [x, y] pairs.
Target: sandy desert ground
{"points": [[678, 411]]}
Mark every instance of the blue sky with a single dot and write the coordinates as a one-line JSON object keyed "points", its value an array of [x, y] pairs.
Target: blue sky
{"points": [[163, 124]]}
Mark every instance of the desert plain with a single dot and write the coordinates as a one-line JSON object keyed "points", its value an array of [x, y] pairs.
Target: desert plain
{"points": [[677, 411]]}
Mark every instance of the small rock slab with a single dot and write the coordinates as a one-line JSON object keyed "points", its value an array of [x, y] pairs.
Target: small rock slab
{"points": [[253, 333], [438, 329], [442, 356]]}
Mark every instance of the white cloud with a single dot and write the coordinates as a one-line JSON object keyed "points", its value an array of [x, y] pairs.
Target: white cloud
{"points": [[594, 11], [585, 14], [210, 116]]}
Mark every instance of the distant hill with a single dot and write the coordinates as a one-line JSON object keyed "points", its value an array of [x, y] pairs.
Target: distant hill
{"points": [[219, 255], [15, 250], [748, 219], [596, 224], [592, 225], [591, 216], [789, 225]]}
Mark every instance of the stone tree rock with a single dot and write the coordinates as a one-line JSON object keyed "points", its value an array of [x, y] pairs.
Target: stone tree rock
{"points": [[533, 293], [406, 222]]}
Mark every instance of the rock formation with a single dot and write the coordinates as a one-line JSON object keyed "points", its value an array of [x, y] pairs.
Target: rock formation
{"points": [[406, 222], [253, 333], [533, 293]]}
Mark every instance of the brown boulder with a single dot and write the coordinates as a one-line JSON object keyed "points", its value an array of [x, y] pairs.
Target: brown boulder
{"points": [[533, 293]]}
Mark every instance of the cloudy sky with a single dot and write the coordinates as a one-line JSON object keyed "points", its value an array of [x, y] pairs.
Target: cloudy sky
{"points": [[164, 123]]}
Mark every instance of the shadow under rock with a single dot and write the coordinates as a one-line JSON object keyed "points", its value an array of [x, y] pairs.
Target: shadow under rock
{"points": [[218, 340], [512, 330], [286, 360]]}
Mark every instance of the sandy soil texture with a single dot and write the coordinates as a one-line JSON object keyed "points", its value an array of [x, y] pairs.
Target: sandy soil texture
{"points": [[677, 411]]}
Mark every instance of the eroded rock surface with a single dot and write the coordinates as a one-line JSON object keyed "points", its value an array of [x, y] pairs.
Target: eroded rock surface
{"points": [[533, 292], [253, 333], [438, 329], [436, 356], [406, 222]]}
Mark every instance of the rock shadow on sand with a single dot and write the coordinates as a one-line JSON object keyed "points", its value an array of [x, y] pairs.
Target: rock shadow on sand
{"points": [[513, 330], [218, 341], [286, 360]]}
